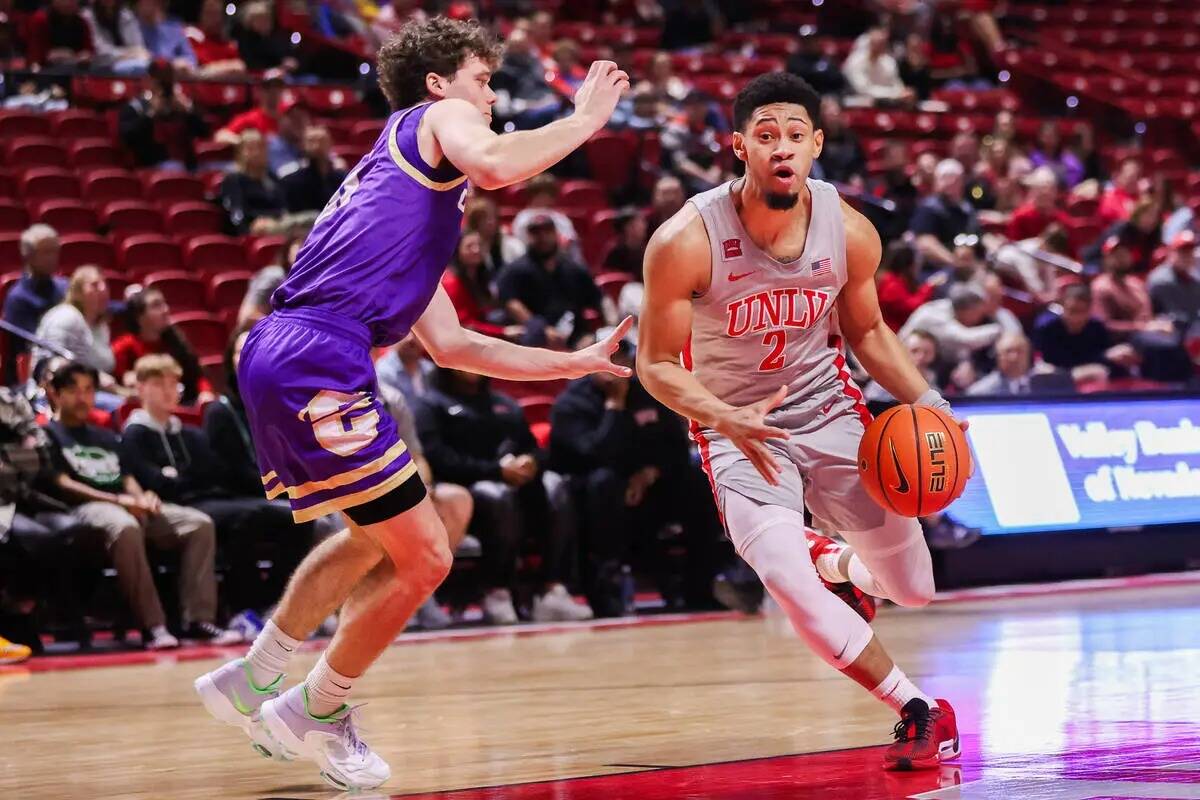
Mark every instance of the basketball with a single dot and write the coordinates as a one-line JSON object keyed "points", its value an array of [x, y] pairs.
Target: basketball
{"points": [[914, 460]]}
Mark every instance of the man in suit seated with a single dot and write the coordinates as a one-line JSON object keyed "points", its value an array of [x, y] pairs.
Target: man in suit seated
{"points": [[1016, 374]]}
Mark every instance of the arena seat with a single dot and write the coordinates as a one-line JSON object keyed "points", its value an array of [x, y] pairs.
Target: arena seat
{"points": [[182, 291], [132, 216], [149, 252], [165, 186], [66, 215], [106, 185], [27, 151], [193, 219], [227, 289], [262, 251], [86, 248], [611, 283], [13, 216], [44, 183], [94, 153], [213, 253], [101, 91], [14, 123], [10, 251], [79, 123], [205, 331]]}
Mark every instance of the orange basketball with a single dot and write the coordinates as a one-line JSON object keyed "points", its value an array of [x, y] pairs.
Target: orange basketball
{"points": [[914, 460]]}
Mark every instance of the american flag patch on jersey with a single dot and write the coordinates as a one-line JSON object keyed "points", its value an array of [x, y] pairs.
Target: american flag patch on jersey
{"points": [[822, 266]]}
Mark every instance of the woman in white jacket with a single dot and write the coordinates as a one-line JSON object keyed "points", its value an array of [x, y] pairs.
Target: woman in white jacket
{"points": [[79, 325]]}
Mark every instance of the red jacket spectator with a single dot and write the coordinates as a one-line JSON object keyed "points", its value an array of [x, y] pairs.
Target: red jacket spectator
{"points": [[57, 30], [466, 282], [127, 349], [1116, 204], [900, 291], [1028, 221], [470, 312]]}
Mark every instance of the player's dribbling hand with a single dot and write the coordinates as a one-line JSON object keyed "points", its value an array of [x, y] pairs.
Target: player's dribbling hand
{"points": [[745, 427], [601, 89], [598, 357]]}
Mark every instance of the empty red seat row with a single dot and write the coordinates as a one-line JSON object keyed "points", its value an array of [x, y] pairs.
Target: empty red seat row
{"points": [[67, 124], [27, 151], [92, 90]]}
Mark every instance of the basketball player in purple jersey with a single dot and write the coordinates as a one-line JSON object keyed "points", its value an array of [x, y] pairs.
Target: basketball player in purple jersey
{"points": [[368, 273], [749, 291]]}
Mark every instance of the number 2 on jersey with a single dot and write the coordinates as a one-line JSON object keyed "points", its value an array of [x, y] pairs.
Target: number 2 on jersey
{"points": [[776, 340]]}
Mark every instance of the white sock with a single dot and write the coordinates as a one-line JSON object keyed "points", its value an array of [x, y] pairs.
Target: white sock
{"points": [[270, 654], [326, 689], [827, 566], [896, 690]]}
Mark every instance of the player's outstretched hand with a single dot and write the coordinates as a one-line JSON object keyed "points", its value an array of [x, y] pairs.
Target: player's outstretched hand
{"points": [[598, 357], [598, 95], [746, 428]]}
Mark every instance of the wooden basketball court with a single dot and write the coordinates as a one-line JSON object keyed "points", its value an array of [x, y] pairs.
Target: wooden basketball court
{"points": [[1068, 695]]}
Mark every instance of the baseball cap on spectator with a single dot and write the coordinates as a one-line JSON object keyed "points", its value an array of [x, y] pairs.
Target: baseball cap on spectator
{"points": [[1184, 240]]}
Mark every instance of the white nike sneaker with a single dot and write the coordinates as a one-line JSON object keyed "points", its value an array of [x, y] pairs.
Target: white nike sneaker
{"points": [[498, 608], [557, 605], [346, 762], [230, 695]]}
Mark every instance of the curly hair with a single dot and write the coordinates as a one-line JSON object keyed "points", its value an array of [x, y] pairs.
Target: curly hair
{"points": [[775, 87], [438, 45]]}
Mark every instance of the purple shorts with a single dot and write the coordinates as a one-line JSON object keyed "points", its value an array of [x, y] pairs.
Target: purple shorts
{"points": [[321, 434]]}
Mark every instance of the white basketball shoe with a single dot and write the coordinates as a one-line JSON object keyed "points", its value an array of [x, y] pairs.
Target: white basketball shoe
{"points": [[229, 695]]}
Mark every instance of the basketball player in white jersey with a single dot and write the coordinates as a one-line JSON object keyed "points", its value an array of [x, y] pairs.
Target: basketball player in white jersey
{"points": [[750, 289]]}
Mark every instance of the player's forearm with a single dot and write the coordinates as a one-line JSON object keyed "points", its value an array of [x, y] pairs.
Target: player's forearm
{"points": [[680, 390], [514, 157], [498, 358], [881, 353]]}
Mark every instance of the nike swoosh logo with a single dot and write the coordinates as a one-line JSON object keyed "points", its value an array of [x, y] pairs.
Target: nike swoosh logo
{"points": [[284, 647], [343, 688], [242, 708], [903, 487], [735, 277]]}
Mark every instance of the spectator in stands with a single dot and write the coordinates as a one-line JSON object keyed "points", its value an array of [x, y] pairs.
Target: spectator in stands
{"points": [[923, 350], [309, 187], [58, 37], [1116, 204], [160, 128], [470, 288], [893, 185], [872, 72], [688, 23], [251, 196], [257, 302], [1140, 235], [547, 291], [642, 112], [116, 37], [628, 458], [499, 247], [176, 463], [228, 431], [542, 201], [1075, 340], [150, 332], [812, 63], [1175, 284], [1014, 369], [1050, 152], [216, 53], [628, 251], [944, 215], [264, 117], [476, 437], [1120, 299], [842, 158], [665, 201], [522, 94], [1040, 208], [90, 476], [957, 323], [663, 84], [691, 146], [1035, 264], [900, 288], [567, 69], [163, 36], [394, 15], [39, 289], [951, 57], [1083, 147], [285, 147], [79, 326], [260, 45], [915, 70], [406, 369]]}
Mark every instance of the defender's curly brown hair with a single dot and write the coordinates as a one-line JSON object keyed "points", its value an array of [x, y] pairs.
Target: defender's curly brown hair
{"points": [[438, 45]]}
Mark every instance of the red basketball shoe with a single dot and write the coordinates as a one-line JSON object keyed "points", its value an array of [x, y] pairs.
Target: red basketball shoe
{"points": [[925, 737], [854, 597]]}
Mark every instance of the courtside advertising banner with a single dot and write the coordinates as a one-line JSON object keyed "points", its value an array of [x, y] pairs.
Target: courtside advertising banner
{"points": [[1050, 465]]}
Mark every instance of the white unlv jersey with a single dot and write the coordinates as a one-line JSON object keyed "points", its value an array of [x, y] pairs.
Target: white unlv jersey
{"points": [[762, 322]]}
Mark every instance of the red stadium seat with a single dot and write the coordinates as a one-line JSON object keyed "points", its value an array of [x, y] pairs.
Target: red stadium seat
{"points": [[13, 216], [205, 331], [149, 252], [106, 185], [367, 132], [172, 187], [91, 90], [78, 123], [263, 251], [611, 158], [214, 369], [182, 291], [117, 283], [67, 216], [600, 238], [34, 151], [350, 153], [213, 152], [132, 216], [194, 219], [95, 153], [227, 289], [43, 183], [214, 253], [23, 123], [611, 283], [225, 96], [86, 248], [583, 194], [536, 407], [10, 251], [330, 100]]}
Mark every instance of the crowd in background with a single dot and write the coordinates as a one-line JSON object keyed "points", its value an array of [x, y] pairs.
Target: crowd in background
{"points": [[984, 277]]}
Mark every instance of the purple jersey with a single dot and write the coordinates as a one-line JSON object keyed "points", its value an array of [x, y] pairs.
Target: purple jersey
{"points": [[377, 251]]}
